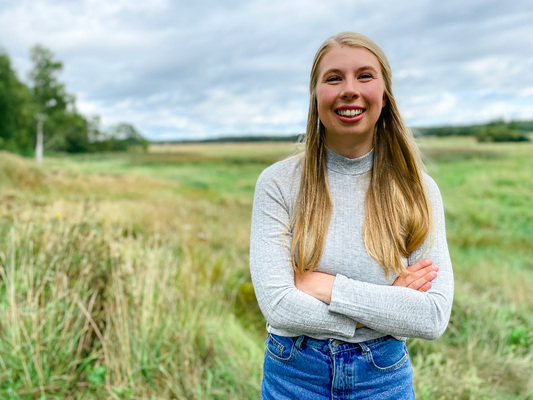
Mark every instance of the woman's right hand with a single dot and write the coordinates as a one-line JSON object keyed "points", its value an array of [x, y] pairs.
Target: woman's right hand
{"points": [[418, 276]]}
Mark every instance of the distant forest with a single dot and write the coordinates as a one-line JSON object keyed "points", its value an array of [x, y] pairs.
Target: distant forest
{"points": [[495, 131]]}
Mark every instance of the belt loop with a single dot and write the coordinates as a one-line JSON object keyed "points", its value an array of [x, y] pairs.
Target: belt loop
{"points": [[299, 342], [364, 348]]}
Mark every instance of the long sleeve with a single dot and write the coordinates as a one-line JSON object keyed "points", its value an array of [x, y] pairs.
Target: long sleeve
{"points": [[400, 311], [285, 308]]}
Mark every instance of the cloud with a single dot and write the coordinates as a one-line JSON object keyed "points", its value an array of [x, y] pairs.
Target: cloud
{"points": [[180, 69]]}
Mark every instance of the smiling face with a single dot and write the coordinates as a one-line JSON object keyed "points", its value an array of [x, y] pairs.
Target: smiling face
{"points": [[350, 97]]}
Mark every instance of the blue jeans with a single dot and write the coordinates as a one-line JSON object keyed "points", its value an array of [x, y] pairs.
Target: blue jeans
{"points": [[303, 368]]}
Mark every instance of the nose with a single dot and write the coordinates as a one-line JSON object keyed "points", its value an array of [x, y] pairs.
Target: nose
{"points": [[350, 88]]}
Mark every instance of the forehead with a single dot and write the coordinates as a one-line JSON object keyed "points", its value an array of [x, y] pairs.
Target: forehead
{"points": [[342, 57]]}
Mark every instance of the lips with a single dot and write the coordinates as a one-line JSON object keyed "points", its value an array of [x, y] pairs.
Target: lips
{"points": [[349, 112]]}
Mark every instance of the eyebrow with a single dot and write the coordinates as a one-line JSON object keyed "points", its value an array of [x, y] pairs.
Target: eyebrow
{"points": [[339, 71]]}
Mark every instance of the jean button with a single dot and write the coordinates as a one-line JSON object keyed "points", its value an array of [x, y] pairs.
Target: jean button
{"points": [[336, 343]]}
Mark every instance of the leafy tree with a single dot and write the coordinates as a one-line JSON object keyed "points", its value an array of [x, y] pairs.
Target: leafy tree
{"points": [[16, 110], [499, 131], [49, 94], [47, 106], [74, 133], [125, 135], [65, 129]]}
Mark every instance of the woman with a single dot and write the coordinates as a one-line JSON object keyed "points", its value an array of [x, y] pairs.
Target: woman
{"points": [[348, 249]]}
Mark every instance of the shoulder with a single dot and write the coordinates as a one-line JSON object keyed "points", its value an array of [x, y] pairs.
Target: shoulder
{"points": [[431, 185], [433, 193], [279, 183], [281, 173]]}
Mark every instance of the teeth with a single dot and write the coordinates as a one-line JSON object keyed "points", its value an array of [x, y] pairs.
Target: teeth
{"points": [[350, 113]]}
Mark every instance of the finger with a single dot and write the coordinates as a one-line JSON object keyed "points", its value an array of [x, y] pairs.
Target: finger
{"points": [[419, 265], [420, 282], [413, 276], [422, 276], [425, 287]]}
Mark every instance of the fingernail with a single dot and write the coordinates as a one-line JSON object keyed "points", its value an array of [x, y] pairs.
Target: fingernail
{"points": [[435, 267], [433, 274]]}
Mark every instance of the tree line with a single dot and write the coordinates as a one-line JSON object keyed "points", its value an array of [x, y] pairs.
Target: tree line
{"points": [[494, 131], [43, 106]]}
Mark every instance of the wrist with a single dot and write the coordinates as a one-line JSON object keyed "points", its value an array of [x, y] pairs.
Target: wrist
{"points": [[326, 289]]}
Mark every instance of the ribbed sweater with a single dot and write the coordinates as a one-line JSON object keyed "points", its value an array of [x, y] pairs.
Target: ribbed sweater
{"points": [[361, 291]]}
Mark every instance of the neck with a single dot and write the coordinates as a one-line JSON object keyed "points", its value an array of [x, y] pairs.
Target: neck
{"points": [[349, 166], [350, 147]]}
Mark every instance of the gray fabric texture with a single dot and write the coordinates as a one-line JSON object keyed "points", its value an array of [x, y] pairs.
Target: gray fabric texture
{"points": [[361, 291]]}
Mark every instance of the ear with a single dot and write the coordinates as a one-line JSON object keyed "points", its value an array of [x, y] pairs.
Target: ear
{"points": [[384, 101]]}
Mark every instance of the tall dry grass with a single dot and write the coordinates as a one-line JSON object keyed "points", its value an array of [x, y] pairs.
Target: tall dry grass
{"points": [[119, 287]]}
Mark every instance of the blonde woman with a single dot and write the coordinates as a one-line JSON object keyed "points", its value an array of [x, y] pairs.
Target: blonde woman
{"points": [[348, 249]]}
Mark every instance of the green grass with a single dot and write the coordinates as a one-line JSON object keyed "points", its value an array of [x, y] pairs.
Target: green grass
{"points": [[126, 276]]}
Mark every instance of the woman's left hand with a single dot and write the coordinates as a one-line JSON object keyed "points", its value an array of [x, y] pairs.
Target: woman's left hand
{"points": [[316, 284]]}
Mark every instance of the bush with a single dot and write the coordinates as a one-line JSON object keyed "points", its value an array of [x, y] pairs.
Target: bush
{"points": [[500, 132]]}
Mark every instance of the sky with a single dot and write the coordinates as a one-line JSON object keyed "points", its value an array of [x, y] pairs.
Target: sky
{"points": [[181, 70]]}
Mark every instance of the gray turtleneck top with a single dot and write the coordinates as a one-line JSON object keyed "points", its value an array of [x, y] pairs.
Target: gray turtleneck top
{"points": [[361, 292]]}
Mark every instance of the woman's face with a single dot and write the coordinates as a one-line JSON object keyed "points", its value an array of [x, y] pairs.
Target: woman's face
{"points": [[350, 96]]}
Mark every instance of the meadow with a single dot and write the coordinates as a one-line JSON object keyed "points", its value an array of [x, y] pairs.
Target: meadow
{"points": [[125, 276]]}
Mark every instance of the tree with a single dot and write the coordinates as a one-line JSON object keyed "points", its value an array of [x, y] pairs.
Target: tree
{"points": [[47, 105], [125, 135], [502, 134], [499, 131], [74, 133], [49, 95], [66, 129], [16, 110]]}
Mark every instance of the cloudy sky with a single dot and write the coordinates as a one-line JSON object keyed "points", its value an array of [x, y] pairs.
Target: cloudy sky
{"points": [[190, 70]]}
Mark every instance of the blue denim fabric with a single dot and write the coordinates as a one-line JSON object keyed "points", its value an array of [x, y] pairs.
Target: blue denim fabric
{"points": [[303, 368]]}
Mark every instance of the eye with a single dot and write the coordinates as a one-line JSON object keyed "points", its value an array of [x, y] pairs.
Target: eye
{"points": [[366, 76], [333, 78]]}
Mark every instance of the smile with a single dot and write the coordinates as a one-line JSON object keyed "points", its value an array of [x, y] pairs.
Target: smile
{"points": [[349, 113]]}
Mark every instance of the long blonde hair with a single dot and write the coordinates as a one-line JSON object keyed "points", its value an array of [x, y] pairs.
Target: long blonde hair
{"points": [[397, 210]]}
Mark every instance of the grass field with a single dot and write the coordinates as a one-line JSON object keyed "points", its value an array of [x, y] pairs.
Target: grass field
{"points": [[126, 276]]}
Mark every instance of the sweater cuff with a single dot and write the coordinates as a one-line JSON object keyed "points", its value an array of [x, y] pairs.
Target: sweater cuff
{"points": [[337, 305]]}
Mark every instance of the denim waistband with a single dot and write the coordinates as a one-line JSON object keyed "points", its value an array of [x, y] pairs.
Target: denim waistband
{"points": [[337, 345]]}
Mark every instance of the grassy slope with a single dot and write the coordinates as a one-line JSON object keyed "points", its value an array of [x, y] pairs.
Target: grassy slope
{"points": [[127, 276]]}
